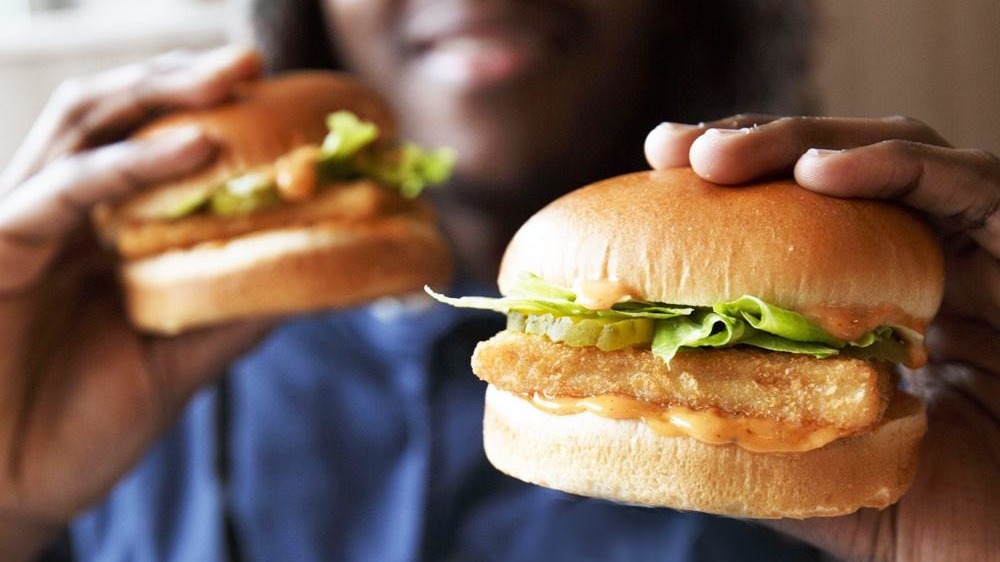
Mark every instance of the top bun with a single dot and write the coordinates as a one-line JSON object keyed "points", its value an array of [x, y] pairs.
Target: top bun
{"points": [[670, 236], [268, 119]]}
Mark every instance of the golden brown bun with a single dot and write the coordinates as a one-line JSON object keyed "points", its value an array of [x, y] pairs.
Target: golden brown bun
{"points": [[267, 119], [672, 237], [284, 271], [625, 461]]}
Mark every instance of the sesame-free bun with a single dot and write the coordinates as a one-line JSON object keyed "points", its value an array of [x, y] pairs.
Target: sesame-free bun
{"points": [[266, 119], [350, 243], [670, 236], [282, 271], [625, 461]]}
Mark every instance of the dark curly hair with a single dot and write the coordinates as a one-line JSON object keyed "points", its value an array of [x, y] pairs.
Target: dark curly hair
{"points": [[715, 59]]}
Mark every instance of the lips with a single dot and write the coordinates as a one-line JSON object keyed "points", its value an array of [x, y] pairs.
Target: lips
{"points": [[477, 44]]}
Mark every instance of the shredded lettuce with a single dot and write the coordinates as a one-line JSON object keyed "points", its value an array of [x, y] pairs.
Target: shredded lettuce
{"points": [[747, 320]]}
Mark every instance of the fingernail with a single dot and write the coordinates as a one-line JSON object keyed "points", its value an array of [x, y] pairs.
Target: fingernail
{"points": [[821, 152], [678, 127], [728, 132]]}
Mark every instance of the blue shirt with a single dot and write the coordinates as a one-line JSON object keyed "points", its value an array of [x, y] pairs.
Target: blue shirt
{"points": [[358, 436]]}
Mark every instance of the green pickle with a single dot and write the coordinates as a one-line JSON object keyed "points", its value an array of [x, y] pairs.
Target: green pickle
{"points": [[607, 334], [245, 194], [187, 206]]}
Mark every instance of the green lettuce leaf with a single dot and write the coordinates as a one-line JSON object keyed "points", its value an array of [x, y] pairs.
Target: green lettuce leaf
{"points": [[700, 329], [747, 320], [533, 295], [348, 135], [410, 168], [774, 320]]}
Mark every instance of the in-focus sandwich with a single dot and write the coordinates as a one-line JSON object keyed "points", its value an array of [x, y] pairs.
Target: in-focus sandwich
{"points": [[311, 203], [721, 349]]}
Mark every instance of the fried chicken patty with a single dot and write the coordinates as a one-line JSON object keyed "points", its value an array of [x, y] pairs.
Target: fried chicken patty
{"points": [[347, 203], [843, 392]]}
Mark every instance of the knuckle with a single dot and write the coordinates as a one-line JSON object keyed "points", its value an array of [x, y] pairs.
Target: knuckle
{"points": [[749, 119], [900, 147], [905, 121], [797, 129], [793, 123], [915, 129], [984, 158]]}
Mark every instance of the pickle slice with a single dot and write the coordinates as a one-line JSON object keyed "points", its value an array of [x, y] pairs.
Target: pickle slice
{"points": [[245, 194], [606, 334], [188, 205]]}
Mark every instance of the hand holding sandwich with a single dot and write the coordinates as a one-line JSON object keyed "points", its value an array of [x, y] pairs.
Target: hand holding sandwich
{"points": [[83, 394], [950, 509], [230, 200]]}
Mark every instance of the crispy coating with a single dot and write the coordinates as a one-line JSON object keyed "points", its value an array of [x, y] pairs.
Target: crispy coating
{"points": [[347, 203], [846, 393]]}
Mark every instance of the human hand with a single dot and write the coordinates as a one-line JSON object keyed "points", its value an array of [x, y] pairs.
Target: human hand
{"points": [[950, 512], [82, 395]]}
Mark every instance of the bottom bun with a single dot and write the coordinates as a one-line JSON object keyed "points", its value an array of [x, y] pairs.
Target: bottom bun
{"points": [[626, 461], [284, 271]]}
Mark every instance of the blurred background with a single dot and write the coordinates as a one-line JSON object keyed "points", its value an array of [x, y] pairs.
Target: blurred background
{"points": [[936, 61]]}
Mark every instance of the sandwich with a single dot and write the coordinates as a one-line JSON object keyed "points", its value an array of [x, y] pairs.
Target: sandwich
{"points": [[311, 203], [729, 350]]}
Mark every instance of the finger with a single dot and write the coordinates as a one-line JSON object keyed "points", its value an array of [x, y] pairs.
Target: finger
{"points": [[732, 156], [668, 144], [35, 217], [87, 112], [959, 187], [132, 94]]}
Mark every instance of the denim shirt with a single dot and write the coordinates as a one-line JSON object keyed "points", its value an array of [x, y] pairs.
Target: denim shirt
{"points": [[358, 436]]}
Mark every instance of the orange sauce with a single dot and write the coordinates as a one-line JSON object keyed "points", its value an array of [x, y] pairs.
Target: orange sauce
{"points": [[851, 322], [597, 294], [708, 426]]}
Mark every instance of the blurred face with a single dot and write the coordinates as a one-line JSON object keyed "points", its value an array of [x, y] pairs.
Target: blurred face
{"points": [[530, 92]]}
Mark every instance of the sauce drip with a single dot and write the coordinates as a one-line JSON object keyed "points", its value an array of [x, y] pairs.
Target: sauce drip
{"points": [[597, 294], [708, 426], [851, 322]]}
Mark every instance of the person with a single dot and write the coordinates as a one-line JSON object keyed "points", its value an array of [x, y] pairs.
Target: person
{"points": [[355, 435]]}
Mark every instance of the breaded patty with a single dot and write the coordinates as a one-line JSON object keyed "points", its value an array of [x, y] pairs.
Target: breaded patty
{"points": [[349, 202], [843, 392]]}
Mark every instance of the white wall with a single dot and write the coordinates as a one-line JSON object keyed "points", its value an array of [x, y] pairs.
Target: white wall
{"points": [[39, 51]]}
